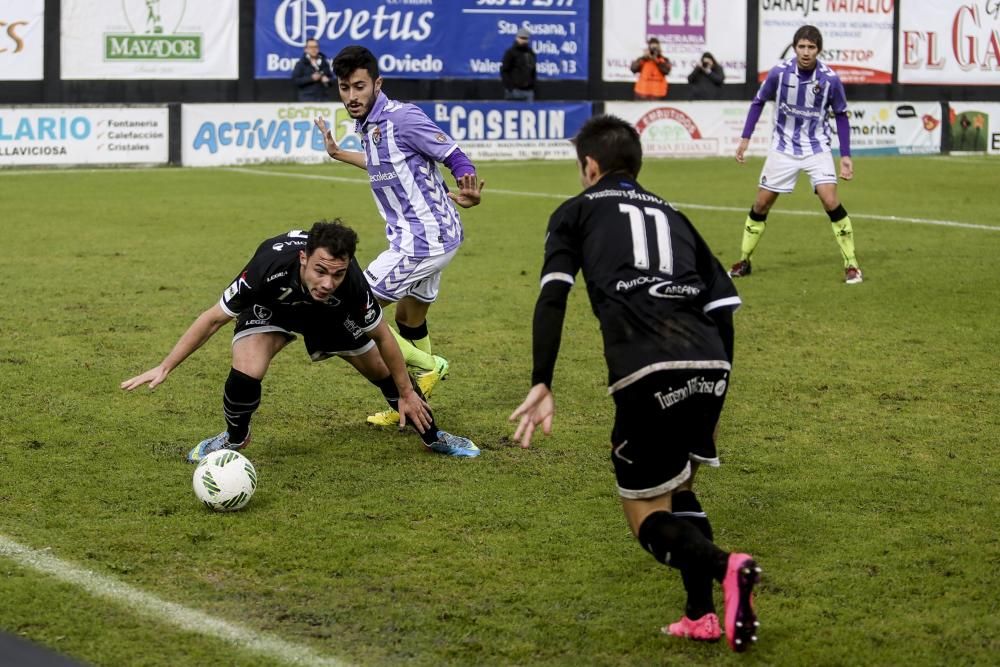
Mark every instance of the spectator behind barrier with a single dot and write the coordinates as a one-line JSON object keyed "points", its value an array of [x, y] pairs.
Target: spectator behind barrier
{"points": [[706, 79], [652, 68], [312, 75]]}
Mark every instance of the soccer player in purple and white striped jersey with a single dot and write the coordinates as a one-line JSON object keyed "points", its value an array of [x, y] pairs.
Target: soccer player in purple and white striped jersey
{"points": [[804, 90], [402, 149]]}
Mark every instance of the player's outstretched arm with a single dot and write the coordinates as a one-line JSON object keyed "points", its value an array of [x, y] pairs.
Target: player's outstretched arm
{"points": [[470, 191], [335, 151], [200, 331], [538, 408], [412, 408]]}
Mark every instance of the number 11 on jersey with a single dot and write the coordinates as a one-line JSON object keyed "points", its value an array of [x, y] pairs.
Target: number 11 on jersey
{"points": [[640, 245]]}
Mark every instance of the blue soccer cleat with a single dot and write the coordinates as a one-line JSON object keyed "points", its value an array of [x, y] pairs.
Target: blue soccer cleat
{"points": [[214, 444], [453, 445]]}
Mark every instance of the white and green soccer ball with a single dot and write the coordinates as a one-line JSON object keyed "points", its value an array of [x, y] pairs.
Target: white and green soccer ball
{"points": [[225, 480]]}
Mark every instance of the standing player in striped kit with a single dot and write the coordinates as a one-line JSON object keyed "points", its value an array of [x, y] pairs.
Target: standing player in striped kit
{"points": [[402, 147], [803, 89]]}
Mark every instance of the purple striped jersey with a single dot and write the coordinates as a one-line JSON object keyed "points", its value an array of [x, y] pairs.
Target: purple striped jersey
{"points": [[802, 103], [402, 148]]}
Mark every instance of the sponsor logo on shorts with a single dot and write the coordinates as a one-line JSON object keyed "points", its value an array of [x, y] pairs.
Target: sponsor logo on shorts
{"points": [[696, 385], [353, 328], [261, 314]]}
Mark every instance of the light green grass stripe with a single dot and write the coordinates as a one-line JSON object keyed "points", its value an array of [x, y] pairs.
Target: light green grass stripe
{"points": [[680, 205], [188, 620]]}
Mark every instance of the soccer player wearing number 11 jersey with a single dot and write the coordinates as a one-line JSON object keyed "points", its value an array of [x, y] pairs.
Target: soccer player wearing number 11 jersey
{"points": [[665, 305]]}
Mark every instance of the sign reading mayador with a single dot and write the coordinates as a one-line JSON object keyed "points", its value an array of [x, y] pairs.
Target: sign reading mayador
{"points": [[150, 39], [77, 136], [424, 38], [228, 134], [511, 130], [21, 40]]}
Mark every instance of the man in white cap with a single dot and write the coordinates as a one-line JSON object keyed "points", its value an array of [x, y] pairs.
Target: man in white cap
{"points": [[518, 69]]}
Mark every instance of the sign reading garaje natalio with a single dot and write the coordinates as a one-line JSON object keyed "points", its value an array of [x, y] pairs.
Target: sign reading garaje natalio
{"points": [[150, 39], [857, 35], [424, 39], [83, 135], [950, 42], [685, 28]]}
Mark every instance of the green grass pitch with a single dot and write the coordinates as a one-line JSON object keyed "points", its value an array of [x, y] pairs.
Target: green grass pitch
{"points": [[859, 441]]}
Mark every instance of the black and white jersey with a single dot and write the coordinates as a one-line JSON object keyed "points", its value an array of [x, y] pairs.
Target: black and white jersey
{"points": [[270, 280], [651, 279]]}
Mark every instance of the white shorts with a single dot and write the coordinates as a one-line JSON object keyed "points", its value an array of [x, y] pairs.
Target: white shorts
{"points": [[393, 275], [782, 170]]}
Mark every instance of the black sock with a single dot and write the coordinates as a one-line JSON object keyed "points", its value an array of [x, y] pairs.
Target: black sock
{"points": [[240, 400], [412, 333], [388, 388], [678, 543], [697, 583], [837, 214], [757, 217]]}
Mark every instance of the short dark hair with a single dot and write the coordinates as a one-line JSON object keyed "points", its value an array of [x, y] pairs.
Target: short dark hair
{"points": [[612, 142], [652, 39], [333, 236], [353, 58], [811, 33]]}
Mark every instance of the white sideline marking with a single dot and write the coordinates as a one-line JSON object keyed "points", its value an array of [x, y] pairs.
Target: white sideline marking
{"points": [[681, 205], [189, 620]]}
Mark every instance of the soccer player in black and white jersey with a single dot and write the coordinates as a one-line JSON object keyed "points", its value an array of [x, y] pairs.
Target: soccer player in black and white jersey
{"points": [[665, 306], [309, 284]]}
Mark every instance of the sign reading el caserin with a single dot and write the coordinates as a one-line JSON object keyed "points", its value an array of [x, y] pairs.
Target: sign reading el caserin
{"points": [[149, 39]]}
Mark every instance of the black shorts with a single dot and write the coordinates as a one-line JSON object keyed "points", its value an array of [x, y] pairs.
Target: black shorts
{"points": [[662, 423], [326, 332]]}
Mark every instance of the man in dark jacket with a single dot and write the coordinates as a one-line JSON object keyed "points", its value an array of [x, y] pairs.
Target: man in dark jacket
{"points": [[518, 69], [312, 74], [706, 79]]}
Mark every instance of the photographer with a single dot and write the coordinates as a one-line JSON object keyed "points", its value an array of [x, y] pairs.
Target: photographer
{"points": [[706, 79], [652, 68], [312, 75]]}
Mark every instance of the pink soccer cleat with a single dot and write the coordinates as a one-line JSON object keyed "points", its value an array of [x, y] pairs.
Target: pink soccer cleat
{"points": [[705, 629], [742, 574]]}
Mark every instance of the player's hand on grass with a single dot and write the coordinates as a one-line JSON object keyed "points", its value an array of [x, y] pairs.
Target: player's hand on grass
{"points": [[741, 150], [846, 168], [414, 410], [470, 190], [537, 408], [331, 144], [152, 377]]}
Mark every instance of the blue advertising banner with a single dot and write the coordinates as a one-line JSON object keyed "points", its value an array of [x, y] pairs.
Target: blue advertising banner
{"points": [[511, 130], [461, 39]]}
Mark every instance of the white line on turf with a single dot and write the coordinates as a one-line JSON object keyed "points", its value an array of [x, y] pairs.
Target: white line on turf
{"points": [[680, 205], [183, 618]]}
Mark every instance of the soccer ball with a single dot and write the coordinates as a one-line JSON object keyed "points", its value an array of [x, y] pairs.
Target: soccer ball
{"points": [[225, 480]]}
